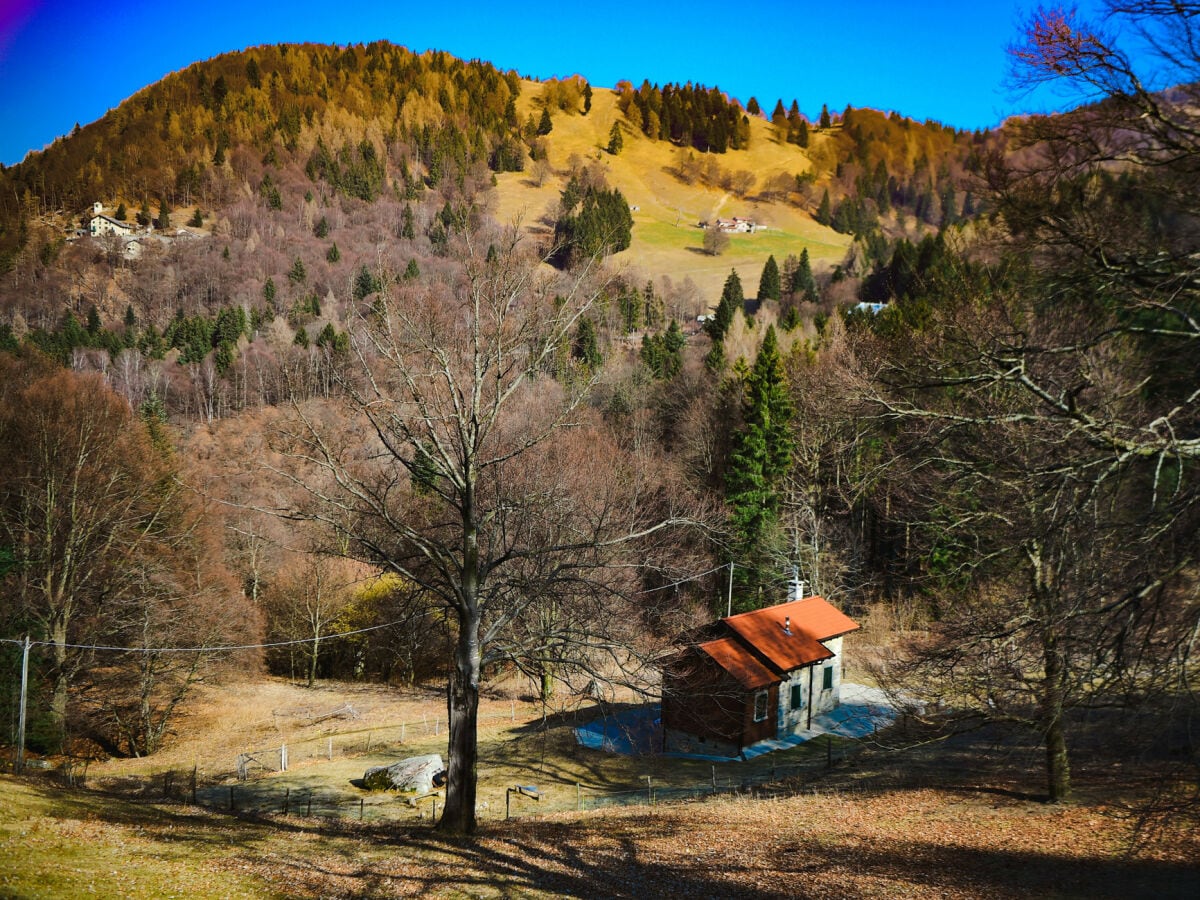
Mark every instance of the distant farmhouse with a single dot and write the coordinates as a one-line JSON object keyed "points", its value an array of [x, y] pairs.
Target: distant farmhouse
{"points": [[736, 225], [100, 224], [754, 676]]}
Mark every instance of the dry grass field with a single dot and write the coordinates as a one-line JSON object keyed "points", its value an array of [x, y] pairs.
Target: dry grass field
{"points": [[666, 239], [941, 820]]}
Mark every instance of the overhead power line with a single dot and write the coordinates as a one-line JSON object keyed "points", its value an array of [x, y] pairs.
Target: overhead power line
{"points": [[684, 580], [216, 649]]}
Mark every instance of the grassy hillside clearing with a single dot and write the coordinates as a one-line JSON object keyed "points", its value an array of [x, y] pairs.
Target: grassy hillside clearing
{"points": [[947, 820], [666, 236]]}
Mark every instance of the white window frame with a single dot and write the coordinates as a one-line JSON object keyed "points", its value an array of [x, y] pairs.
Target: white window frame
{"points": [[761, 700]]}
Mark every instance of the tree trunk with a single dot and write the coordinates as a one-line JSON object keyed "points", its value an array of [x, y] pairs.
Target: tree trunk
{"points": [[463, 750], [312, 660], [59, 694], [1058, 772]]}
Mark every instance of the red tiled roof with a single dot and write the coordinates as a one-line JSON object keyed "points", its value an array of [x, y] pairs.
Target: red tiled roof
{"points": [[812, 620], [739, 662]]}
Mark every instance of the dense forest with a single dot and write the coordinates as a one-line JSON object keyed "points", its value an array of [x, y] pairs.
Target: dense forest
{"points": [[347, 399]]}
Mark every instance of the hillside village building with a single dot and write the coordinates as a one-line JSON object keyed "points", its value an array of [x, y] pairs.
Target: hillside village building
{"points": [[100, 224], [132, 241], [754, 676]]}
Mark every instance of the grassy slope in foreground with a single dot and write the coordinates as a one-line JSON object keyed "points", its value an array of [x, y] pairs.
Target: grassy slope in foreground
{"points": [[666, 239], [898, 843]]}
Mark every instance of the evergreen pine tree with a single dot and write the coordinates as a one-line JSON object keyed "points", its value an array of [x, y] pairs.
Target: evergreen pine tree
{"points": [[545, 126], [769, 285], [949, 206], [824, 213], [732, 299], [298, 273], [615, 141], [585, 347], [365, 284], [758, 463], [587, 98], [802, 279], [825, 121], [800, 137], [779, 115], [164, 216]]}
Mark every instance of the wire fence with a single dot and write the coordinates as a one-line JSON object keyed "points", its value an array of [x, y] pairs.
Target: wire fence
{"points": [[353, 742], [269, 797], [315, 792]]}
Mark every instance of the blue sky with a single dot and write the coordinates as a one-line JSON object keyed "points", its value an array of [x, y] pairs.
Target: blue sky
{"points": [[68, 62]]}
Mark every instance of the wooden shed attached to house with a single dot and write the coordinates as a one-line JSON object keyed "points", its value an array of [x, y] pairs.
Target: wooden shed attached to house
{"points": [[754, 676]]}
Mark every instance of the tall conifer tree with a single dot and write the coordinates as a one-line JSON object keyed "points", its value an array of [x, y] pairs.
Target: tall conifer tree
{"points": [[732, 299], [758, 463], [769, 284]]}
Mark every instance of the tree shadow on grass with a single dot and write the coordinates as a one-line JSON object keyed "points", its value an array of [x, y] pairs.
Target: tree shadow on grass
{"points": [[605, 859]]}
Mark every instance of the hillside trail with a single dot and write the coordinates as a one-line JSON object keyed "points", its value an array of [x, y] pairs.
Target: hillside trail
{"points": [[718, 205]]}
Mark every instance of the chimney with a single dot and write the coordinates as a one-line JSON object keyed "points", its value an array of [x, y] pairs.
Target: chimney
{"points": [[796, 589]]}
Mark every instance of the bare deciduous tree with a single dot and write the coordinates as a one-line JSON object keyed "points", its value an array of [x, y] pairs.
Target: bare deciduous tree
{"points": [[456, 472], [95, 521]]}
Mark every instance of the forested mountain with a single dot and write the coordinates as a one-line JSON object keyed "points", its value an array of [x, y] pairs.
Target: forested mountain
{"points": [[390, 407], [177, 139]]}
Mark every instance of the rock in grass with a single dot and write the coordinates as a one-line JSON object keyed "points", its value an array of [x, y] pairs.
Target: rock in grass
{"points": [[413, 774]]}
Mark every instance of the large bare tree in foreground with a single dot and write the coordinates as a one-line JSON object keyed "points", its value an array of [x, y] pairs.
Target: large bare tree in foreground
{"points": [[468, 465]]}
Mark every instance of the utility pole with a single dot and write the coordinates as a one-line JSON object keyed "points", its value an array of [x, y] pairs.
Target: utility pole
{"points": [[20, 763], [729, 604]]}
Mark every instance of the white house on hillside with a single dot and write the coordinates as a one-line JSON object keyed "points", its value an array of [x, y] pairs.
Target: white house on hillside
{"points": [[101, 224]]}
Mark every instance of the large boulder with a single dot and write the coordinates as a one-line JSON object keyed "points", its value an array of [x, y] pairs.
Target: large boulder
{"points": [[413, 774]]}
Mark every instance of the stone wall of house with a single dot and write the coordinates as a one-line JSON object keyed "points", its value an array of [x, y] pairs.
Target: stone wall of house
{"points": [[675, 741]]}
